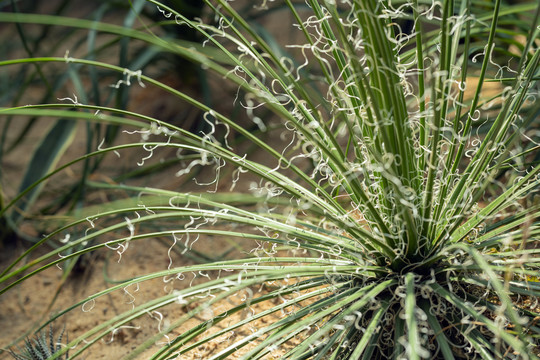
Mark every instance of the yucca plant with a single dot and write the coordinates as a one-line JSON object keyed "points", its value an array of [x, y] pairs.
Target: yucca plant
{"points": [[394, 217]]}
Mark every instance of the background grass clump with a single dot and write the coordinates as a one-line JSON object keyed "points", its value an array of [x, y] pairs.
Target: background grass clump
{"points": [[383, 173]]}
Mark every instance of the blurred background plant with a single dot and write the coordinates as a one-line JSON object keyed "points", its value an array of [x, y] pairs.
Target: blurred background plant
{"points": [[33, 33], [385, 170]]}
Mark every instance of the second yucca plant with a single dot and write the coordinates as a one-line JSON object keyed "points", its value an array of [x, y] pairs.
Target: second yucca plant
{"points": [[399, 221]]}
